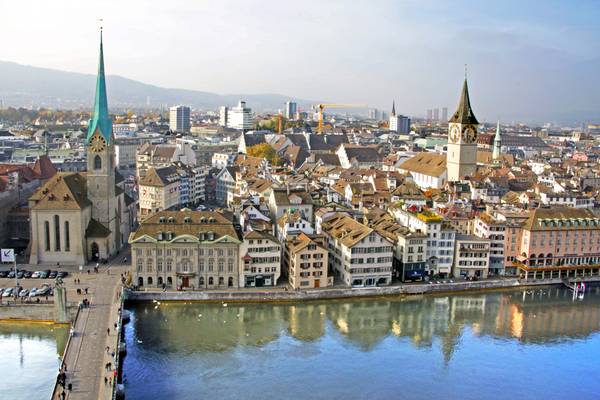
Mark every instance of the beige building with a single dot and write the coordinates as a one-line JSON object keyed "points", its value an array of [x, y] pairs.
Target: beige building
{"points": [[306, 260], [158, 190], [76, 218], [260, 260], [186, 249]]}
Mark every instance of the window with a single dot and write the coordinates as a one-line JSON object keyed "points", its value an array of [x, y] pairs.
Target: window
{"points": [[56, 233], [201, 281], [221, 266], [67, 237], [221, 280], [97, 162], [47, 234], [159, 265], [139, 265], [211, 264], [149, 265], [201, 266], [210, 280], [169, 265], [230, 266]]}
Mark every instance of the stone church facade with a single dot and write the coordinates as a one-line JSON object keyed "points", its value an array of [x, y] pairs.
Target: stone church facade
{"points": [[81, 217]]}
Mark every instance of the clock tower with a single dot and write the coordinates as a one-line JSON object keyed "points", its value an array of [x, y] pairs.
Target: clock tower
{"points": [[461, 158], [100, 156]]}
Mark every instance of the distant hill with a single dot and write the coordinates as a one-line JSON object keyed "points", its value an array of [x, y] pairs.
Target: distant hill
{"points": [[27, 86]]}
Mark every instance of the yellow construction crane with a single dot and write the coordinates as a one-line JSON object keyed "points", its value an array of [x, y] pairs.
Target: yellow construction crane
{"points": [[321, 107]]}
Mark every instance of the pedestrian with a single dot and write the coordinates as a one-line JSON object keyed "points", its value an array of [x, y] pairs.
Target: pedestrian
{"points": [[105, 380], [107, 331], [70, 387], [62, 395], [110, 381], [88, 271], [115, 325], [86, 290]]}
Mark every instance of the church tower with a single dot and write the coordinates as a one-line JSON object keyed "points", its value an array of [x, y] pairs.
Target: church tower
{"points": [[461, 159], [100, 155], [497, 144]]}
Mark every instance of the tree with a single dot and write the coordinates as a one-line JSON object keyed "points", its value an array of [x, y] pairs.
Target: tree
{"points": [[264, 150]]}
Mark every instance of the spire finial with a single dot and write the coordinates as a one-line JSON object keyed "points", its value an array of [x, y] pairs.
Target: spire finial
{"points": [[465, 71]]}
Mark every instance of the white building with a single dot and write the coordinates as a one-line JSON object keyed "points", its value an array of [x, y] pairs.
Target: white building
{"points": [[240, 117], [472, 257], [290, 110], [487, 227], [359, 255], [223, 115], [179, 119], [260, 260]]}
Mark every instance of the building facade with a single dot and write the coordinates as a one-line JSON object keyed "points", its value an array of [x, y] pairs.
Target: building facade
{"points": [[179, 119], [260, 260], [306, 262]]}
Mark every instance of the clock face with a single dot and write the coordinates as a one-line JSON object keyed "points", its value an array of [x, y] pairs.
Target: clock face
{"points": [[454, 134], [97, 144], [469, 134]]}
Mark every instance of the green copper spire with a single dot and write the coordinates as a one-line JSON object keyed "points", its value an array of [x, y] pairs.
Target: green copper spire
{"points": [[497, 144], [100, 119]]}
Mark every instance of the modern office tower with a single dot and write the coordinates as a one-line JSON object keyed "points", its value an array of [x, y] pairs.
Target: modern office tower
{"points": [[436, 114], [223, 115], [429, 115], [179, 119], [445, 114], [240, 117], [374, 114], [290, 110]]}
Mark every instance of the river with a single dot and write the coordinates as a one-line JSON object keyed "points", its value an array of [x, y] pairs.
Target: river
{"points": [[30, 355], [536, 343]]}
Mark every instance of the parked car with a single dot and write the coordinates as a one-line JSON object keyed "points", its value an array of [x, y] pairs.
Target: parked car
{"points": [[27, 274], [11, 274], [62, 274], [20, 275], [8, 292], [36, 274], [43, 291], [1, 290], [3, 274], [23, 293], [52, 275], [33, 292], [44, 274]]}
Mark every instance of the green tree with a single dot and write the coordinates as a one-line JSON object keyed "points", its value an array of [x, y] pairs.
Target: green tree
{"points": [[264, 150]]}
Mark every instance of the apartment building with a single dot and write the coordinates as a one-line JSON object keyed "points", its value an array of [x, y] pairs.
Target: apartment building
{"points": [[487, 227], [359, 255], [306, 262], [472, 257], [260, 260]]}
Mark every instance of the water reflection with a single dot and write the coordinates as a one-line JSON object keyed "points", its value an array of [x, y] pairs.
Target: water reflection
{"points": [[529, 316]]}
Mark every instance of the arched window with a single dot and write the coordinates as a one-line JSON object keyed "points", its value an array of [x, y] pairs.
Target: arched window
{"points": [[221, 280], [160, 280], [149, 280], [230, 283], [67, 237], [169, 281], [210, 280], [56, 233], [97, 162], [201, 281], [140, 281], [47, 234]]}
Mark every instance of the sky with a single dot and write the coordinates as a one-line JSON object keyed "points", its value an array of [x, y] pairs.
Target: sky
{"points": [[527, 60]]}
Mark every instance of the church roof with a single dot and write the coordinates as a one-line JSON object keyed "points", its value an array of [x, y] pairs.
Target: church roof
{"points": [[100, 118], [64, 191], [464, 113], [43, 167], [96, 229], [430, 164]]}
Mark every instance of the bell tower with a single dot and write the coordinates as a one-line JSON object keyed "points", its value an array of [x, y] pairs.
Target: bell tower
{"points": [[100, 153], [461, 158]]}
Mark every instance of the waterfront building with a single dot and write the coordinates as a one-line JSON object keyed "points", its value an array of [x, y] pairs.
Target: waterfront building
{"points": [[186, 249], [359, 255], [179, 119], [306, 262], [462, 140], [472, 256], [440, 235], [260, 260], [487, 227], [77, 217]]}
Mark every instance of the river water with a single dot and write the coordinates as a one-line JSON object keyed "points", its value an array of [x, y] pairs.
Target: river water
{"points": [[526, 344], [30, 355]]}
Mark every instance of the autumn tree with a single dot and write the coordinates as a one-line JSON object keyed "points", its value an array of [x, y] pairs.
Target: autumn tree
{"points": [[264, 150]]}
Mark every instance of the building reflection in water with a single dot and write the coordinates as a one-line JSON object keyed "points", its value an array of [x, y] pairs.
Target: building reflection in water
{"points": [[544, 315]]}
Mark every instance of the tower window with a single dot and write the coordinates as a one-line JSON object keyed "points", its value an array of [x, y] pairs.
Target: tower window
{"points": [[67, 237], [47, 234], [97, 162]]}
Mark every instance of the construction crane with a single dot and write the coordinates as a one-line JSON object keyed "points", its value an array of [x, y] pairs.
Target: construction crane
{"points": [[321, 107]]}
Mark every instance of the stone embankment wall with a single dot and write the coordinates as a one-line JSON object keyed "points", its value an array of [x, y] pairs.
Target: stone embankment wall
{"points": [[333, 293], [33, 312]]}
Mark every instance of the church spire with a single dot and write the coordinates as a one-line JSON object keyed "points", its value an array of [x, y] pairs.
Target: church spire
{"points": [[464, 113], [393, 108], [497, 143], [100, 120]]}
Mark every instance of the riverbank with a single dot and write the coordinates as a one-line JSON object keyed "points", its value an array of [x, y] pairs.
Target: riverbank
{"points": [[279, 295]]}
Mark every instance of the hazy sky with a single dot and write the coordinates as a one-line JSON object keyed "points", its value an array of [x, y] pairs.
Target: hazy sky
{"points": [[527, 60]]}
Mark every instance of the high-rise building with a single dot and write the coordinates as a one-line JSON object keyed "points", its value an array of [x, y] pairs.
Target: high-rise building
{"points": [[179, 119], [374, 114], [436, 114], [429, 115], [240, 117], [445, 114], [223, 115], [399, 123], [290, 110], [462, 140]]}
